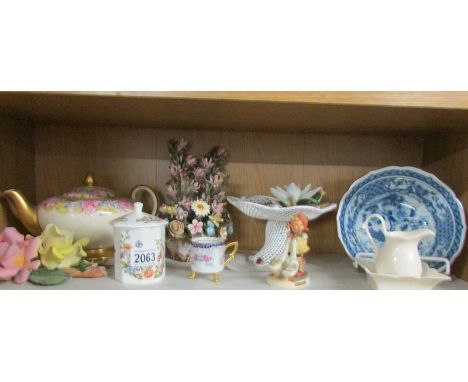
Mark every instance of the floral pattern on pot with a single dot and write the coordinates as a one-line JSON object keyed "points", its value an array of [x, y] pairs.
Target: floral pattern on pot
{"points": [[208, 260], [140, 272], [87, 206], [94, 193]]}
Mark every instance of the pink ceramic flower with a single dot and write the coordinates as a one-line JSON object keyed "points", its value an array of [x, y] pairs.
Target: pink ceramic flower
{"points": [[181, 214], [217, 207], [191, 160], [207, 163], [173, 169], [195, 227], [199, 172], [216, 180], [182, 144], [17, 254], [194, 186], [172, 191], [89, 206], [186, 202]]}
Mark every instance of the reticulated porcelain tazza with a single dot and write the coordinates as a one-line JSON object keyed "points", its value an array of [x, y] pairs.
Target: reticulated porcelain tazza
{"points": [[277, 216]]}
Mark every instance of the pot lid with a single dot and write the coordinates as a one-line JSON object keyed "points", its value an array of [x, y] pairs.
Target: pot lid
{"points": [[138, 219], [90, 191]]}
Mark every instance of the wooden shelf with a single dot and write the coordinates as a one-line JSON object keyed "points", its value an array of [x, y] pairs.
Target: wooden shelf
{"points": [[324, 112], [327, 272], [51, 140], [448, 100]]}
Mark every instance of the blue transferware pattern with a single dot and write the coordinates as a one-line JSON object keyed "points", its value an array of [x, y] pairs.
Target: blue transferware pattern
{"points": [[408, 199]]}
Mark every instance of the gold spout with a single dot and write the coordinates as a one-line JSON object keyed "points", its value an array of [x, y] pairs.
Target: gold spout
{"points": [[23, 211]]}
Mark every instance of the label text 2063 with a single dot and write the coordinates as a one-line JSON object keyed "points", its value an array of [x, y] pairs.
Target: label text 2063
{"points": [[144, 257]]}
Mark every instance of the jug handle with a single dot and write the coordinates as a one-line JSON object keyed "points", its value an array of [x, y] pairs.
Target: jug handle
{"points": [[234, 244], [149, 191], [366, 227], [441, 259]]}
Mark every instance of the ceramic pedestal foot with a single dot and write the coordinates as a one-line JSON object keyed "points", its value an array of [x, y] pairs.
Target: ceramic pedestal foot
{"points": [[276, 238], [215, 277], [288, 282], [193, 275]]}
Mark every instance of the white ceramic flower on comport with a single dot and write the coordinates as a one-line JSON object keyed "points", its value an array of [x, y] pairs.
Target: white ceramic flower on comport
{"points": [[292, 195], [278, 211]]}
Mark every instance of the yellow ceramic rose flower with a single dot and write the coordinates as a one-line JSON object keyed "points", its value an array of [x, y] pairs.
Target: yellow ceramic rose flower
{"points": [[58, 249]]}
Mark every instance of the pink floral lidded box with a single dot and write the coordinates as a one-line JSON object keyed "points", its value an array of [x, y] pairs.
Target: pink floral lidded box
{"points": [[139, 242]]}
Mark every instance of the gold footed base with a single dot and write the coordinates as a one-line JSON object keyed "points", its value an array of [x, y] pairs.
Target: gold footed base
{"points": [[288, 282], [100, 255], [193, 275]]}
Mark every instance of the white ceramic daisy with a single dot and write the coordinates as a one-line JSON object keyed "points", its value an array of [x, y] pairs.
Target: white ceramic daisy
{"points": [[200, 207]]}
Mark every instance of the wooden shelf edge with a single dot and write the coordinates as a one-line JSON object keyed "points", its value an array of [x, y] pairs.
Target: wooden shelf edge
{"points": [[421, 99], [300, 112]]}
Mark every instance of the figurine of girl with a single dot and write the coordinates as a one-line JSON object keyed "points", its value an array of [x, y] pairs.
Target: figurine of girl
{"points": [[288, 268]]}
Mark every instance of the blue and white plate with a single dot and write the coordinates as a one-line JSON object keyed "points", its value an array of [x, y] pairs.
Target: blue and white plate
{"points": [[408, 199]]}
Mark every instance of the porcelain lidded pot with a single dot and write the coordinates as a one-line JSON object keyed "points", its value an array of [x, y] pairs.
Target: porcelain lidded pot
{"points": [[139, 243], [85, 210]]}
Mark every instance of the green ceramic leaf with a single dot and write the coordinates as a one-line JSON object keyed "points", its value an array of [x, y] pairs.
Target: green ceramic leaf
{"points": [[83, 265], [42, 276]]}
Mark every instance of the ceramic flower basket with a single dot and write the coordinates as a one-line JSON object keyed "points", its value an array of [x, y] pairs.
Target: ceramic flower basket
{"points": [[196, 200]]}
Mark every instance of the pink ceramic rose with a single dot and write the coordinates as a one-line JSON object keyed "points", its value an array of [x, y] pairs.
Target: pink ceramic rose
{"points": [[89, 206], [17, 255]]}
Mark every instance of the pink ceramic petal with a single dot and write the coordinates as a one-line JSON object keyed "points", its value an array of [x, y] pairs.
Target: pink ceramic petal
{"points": [[32, 247], [11, 235], [3, 247], [22, 276], [7, 273], [9, 260], [34, 264]]}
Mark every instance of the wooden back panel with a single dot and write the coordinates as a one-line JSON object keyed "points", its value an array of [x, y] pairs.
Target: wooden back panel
{"points": [[121, 158], [16, 162], [446, 156]]}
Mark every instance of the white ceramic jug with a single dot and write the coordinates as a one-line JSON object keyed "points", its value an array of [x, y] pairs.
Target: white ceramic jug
{"points": [[399, 254]]}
